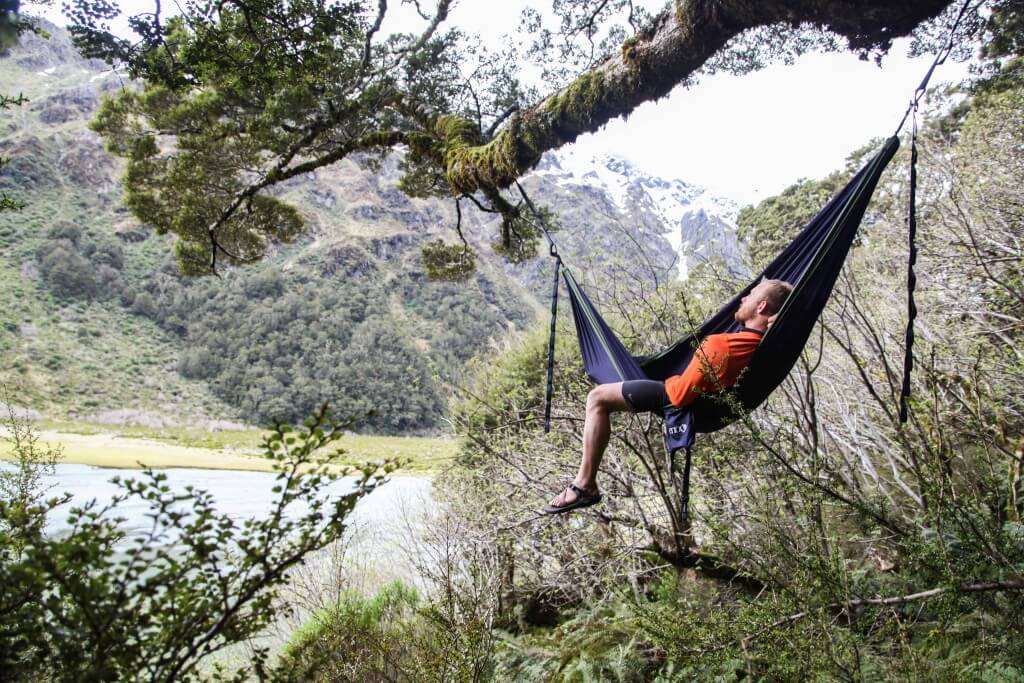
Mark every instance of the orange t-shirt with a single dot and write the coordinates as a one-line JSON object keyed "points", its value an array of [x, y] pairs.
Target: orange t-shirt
{"points": [[716, 364]]}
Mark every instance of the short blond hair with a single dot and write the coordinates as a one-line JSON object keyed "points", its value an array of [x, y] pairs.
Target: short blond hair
{"points": [[776, 294]]}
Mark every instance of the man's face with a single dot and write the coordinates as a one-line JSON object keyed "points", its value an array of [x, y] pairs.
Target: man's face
{"points": [[748, 307]]}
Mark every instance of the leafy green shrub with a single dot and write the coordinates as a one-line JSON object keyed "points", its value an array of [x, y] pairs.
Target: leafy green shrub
{"points": [[68, 274], [76, 264], [143, 304], [196, 364], [396, 636], [64, 230], [96, 604]]}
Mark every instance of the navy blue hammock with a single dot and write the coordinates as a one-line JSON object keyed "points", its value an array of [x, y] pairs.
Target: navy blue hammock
{"points": [[811, 263]]}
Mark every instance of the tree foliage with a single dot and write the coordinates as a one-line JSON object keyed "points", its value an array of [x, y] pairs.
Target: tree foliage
{"points": [[97, 604], [237, 97], [819, 518], [22, 487]]}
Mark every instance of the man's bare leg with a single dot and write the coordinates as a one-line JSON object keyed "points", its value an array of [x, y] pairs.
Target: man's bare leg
{"points": [[602, 401]]}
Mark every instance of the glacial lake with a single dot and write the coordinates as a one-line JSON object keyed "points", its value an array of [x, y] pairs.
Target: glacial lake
{"points": [[242, 495], [385, 515], [382, 543]]}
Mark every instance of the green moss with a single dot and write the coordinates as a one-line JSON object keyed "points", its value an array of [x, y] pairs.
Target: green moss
{"points": [[469, 166], [591, 98], [423, 145], [629, 51], [456, 130], [682, 15], [467, 163], [576, 103]]}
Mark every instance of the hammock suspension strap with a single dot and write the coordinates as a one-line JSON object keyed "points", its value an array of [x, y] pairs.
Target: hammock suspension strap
{"points": [[908, 357], [940, 58], [553, 251], [551, 341], [684, 498]]}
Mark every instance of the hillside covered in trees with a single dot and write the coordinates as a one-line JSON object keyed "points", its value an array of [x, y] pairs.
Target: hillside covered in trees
{"points": [[100, 318]]}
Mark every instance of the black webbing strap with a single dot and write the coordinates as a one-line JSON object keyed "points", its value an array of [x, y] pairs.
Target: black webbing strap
{"points": [[940, 58], [908, 357], [553, 250], [551, 342], [684, 499]]}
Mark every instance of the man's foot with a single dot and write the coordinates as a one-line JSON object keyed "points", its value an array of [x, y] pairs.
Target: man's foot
{"points": [[573, 498]]}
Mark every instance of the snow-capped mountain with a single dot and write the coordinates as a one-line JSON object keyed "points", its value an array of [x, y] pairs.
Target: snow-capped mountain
{"points": [[697, 224]]}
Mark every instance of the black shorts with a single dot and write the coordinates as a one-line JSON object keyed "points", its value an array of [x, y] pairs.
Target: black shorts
{"points": [[645, 395]]}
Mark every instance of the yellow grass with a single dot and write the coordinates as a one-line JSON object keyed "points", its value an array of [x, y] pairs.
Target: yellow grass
{"points": [[135, 448]]}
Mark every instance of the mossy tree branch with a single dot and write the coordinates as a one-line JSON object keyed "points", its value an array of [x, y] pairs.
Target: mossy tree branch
{"points": [[680, 41], [239, 99]]}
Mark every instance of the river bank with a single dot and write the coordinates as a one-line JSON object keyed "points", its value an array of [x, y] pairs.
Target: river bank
{"points": [[137, 448]]}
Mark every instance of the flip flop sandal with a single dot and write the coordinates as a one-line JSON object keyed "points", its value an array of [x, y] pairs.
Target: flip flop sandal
{"points": [[584, 498]]}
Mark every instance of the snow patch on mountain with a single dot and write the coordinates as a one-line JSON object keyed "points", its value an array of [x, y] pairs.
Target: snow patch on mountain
{"points": [[696, 223]]}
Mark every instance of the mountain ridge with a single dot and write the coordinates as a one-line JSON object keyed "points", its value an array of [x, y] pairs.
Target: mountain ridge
{"points": [[693, 217]]}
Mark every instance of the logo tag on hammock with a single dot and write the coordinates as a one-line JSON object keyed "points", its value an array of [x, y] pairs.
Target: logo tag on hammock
{"points": [[678, 428]]}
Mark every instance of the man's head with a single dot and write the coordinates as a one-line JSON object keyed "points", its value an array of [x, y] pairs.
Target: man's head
{"points": [[758, 308]]}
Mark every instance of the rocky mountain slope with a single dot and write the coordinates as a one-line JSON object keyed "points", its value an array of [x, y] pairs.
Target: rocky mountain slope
{"points": [[696, 224], [95, 317]]}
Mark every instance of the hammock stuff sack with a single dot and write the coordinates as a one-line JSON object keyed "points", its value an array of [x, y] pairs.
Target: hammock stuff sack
{"points": [[811, 263]]}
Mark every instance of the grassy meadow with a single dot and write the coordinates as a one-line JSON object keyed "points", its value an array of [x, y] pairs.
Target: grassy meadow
{"points": [[103, 445]]}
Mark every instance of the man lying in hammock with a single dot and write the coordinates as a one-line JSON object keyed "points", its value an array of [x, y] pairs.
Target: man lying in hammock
{"points": [[716, 364]]}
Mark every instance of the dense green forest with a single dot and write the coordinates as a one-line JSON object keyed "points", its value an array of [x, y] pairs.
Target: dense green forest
{"points": [[268, 344], [97, 316], [277, 345], [831, 541]]}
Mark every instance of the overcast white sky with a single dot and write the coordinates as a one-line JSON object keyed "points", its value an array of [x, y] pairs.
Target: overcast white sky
{"points": [[744, 138], [749, 137]]}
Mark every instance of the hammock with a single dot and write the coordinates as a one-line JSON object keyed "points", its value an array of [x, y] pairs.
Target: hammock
{"points": [[811, 263]]}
